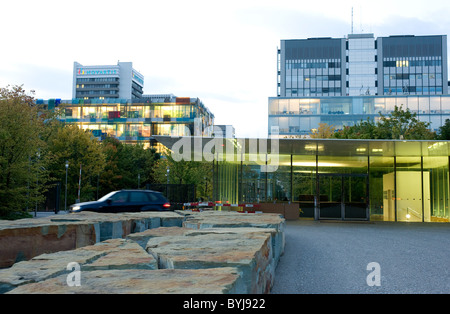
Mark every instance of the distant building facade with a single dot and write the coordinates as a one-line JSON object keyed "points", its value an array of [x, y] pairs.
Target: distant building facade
{"points": [[137, 120], [119, 81], [109, 100], [297, 116], [341, 81], [363, 65]]}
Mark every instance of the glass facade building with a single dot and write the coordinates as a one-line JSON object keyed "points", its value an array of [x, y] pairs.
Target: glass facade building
{"points": [[138, 120], [415, 65], [298, 116], [377, 180], [363, 65]]}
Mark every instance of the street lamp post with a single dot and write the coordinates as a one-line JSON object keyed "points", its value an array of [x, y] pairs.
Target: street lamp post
{"points": [[65, 197], [38, 154], [167, 184]]}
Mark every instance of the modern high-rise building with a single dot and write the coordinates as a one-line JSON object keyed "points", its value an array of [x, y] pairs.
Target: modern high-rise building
{"points": [[363, 65], [341, 81], [119, 81]]}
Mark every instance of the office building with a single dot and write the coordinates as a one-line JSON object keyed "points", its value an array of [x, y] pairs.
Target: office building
{"points": [[119, 81], [362, 65], [341, 81], [137, 120]]}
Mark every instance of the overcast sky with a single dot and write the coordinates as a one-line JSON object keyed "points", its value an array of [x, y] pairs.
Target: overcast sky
{"points": [[223, 52]]}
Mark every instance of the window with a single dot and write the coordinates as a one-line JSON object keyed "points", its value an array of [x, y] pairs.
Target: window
{"points": [[334, 77], [138, 197], [119, 197], [389, 63], [153, 197], [402, 63]]}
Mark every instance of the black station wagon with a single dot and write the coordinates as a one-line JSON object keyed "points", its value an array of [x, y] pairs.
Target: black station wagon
{"points": [[125, 201]]}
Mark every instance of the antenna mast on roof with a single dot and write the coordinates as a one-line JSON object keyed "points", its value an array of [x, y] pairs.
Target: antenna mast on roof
{"points": [[352, 20]]}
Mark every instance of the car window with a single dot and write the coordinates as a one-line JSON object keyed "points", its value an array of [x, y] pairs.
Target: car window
{"points": [[104, 198], [119, 197], [152, 197], [156, 197], [138, 197]]}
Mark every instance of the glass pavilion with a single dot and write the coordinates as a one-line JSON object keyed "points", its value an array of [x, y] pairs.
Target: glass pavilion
{"points": [[378, 180]]}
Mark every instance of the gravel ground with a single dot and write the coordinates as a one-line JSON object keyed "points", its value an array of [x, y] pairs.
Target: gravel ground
{"points": [[332, 257]]}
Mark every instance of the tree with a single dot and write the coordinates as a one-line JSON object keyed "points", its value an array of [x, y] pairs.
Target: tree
{"points": [[126, 166], [444, 131], [137, 164], [363, 130], [400, 124], [110, 177], [404, 125], [23, 173], [323, 131], [186, 172], [82, 150]]}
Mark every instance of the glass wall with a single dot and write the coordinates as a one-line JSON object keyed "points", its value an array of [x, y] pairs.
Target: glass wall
{"points": [[403, 181], [227, 181], [381, 188], [254, 181], [297, 116], [304, 182], [436, 188], [409, 194], [279, 187]]}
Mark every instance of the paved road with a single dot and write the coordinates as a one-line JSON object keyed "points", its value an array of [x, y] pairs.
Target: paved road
{"points": [[46, 214], [332, 257]]}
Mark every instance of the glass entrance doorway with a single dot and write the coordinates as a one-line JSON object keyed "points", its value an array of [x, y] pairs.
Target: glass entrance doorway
{"points": [[343, 196]]}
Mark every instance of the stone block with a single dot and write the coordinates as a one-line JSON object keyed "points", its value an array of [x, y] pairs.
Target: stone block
{"points": [[142, 237], [251, 254], [26, 238], [26, 241], [224, 219], [206, 252], [225, 280], [277, 238], [111, 254]]}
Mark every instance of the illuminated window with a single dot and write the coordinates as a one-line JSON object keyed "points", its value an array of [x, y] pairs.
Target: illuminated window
{"points": [[402, 63]]}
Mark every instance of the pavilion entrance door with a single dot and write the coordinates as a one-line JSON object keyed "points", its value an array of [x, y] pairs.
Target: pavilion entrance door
{"points": [[343, 196]]}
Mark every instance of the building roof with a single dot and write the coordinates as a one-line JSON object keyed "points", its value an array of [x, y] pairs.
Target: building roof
{"points": [[320, 147]]}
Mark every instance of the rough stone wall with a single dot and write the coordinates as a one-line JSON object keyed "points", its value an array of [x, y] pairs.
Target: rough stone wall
{"points": [[148, 253], [26, 238]]}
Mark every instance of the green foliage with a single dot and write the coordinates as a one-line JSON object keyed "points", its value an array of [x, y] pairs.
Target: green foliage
{"points": [[186, 172], [127, 166], [23, 175], [444, 131], [79, 148], [363, 130], [400, 124], [323, 131], [34, 148]]}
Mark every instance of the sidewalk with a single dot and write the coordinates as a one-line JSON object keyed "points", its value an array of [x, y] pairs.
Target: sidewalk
{"points": [[334, 258], [46, 214]]}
